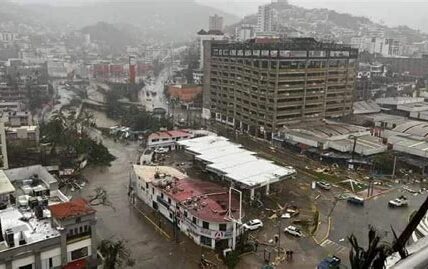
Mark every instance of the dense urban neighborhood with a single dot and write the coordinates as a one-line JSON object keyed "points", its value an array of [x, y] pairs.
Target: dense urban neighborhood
{"points": [[162, 135]]}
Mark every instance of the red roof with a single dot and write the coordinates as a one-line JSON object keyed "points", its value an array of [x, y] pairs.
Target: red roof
{"points": [[75, 208], [167, 134], [205, 200]]}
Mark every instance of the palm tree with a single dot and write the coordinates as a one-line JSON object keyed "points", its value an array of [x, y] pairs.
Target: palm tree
{"points": [[116, 254], [400, 242], [376, 254], [373, 257]]}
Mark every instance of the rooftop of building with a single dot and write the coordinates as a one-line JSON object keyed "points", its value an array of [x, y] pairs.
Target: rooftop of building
{"points": [[415, 128], [31, 172], [413, 107], [326, 130], [366, 107], [398, 100], [27, 220], [245, 169], [286, 43], [210, 32], [169, 134], [147, 173], [206, 200], [72, 209], [25, 227], [339, 136], [383, 117]]}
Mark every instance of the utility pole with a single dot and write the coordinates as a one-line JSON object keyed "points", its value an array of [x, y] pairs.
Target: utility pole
{"points": [[393, 167], [231, 217]]}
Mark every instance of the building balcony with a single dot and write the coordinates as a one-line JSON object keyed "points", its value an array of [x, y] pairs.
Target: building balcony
{"points": [[311, 78], [289, 103], [313, 110], [290, 79], [297, 112]]}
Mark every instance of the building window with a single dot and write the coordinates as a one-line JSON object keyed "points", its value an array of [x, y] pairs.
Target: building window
{"points": [[162, 195], [194, 220], [169, 200], [147, 185], [79, 253], [78, 220], [222, 227], [185, 214], [29, 266], [206, 241], [170, 215], [205, 225]]}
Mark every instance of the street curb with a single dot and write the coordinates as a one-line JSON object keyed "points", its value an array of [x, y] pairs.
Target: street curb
{"points": [[381, 193], [327, 234]]}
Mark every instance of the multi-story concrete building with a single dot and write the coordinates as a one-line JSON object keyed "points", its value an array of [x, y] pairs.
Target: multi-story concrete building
{"points": [[260, 87], [203, 36], [245, 32], [200, 209], [40, 228], [216, 23], [265, 18]]}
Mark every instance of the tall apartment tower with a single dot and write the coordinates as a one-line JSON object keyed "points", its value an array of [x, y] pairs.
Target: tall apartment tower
{"points": [[216, 23], [261, 87], [265, 18]]}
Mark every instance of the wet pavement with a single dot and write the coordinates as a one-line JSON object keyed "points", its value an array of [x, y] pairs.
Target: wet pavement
{"points": [[149, 248]]}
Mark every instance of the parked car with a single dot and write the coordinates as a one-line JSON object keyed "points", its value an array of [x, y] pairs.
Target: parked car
{"points": [[293, 231], [161, 150], [253, 225], [324, 185], [356, 200], [398, 202], [332, 262]]}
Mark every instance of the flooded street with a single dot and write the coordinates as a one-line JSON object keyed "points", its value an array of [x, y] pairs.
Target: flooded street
{"points": [[149, 248]]}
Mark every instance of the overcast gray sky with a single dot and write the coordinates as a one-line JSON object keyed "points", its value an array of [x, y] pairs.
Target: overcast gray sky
{"points": [[392, 12]]}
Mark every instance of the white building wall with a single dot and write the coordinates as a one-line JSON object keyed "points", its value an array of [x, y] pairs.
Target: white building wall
{"points": [[23, 262], [54, 254], [194, 231], [81, 244]]}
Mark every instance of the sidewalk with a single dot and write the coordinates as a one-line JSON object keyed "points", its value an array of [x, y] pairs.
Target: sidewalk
{"points": [[323, 230]]}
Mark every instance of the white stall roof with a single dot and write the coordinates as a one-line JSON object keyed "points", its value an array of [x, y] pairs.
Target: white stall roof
{"points": [[222, 152], [234, 162]]}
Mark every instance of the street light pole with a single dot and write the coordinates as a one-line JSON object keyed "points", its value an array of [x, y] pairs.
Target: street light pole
{"points": [[231, 217]]}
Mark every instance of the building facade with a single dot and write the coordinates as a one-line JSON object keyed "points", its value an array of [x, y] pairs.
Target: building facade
{"points": [[40, 228], [197, 208], [167, 139], [216, 23], [265, 18], [260, 87]]}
